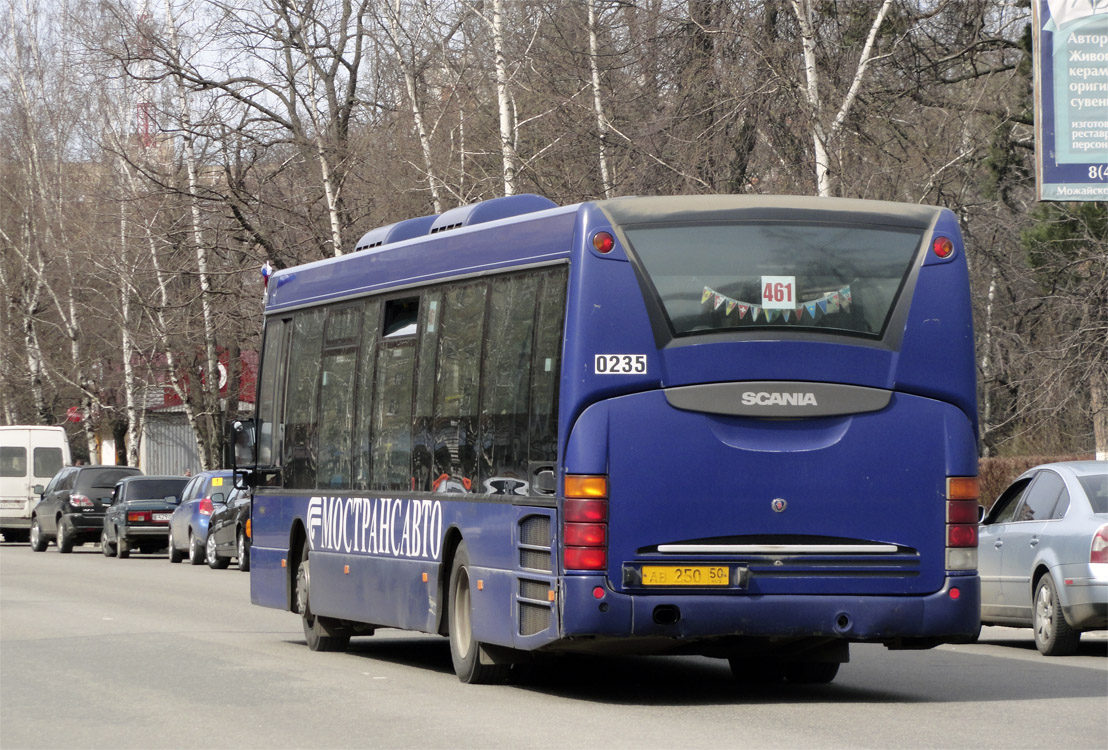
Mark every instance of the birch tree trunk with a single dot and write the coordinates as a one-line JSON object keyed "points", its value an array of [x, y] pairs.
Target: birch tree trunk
{"points": [[509, 158], [597, 102], [823, 137]]}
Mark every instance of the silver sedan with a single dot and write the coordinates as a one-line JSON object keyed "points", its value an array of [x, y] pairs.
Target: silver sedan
{"points": [[1043, 554]]}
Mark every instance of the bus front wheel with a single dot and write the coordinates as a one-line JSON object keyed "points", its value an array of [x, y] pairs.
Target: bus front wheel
{"points": [[464, 648], [319, 632]]}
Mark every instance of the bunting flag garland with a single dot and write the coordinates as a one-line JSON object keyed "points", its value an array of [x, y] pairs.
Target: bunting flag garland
{"points": [[832, 302]]}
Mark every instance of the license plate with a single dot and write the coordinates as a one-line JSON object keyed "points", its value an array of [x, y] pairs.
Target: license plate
{"points": [[686, 575], [162, 517]]}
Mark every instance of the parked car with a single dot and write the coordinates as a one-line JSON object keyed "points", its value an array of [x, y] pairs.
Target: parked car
{"points": [[229, 532], [188, 526], [1043, 554], [71, 508], [139, 514]]}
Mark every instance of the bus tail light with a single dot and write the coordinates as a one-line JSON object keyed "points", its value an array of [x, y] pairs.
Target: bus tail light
{"points": [[585, 522], [961, 523], [1098, 553]]}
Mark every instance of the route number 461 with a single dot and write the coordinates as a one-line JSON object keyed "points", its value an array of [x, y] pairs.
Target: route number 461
{"points": [[779, 292]]}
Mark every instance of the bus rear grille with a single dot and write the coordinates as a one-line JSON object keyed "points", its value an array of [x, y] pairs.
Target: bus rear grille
{"points": [[534, 559], [536, 590], [533, 618], [535, 531]]}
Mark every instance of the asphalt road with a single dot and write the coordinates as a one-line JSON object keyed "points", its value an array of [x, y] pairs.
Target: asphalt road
{"points": [[139, 653]]}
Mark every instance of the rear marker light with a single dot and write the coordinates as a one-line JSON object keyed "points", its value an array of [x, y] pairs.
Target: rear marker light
{"points": [[943, 247], [955, 593], [598, 593], [603, 242]]}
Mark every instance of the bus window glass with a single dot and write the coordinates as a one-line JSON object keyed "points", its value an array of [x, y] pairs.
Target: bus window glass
{"points": [[270, 391], [545, 370], [422, 440], [728, 277], [392, 417], [456, 389], [301, 419], [336, 419], [505, 386], [364, 416]]}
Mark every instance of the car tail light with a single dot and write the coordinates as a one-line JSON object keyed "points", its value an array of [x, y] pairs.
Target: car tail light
{"points": [[138, 516], [961, 523], [585, 522], [1099, 551], [77, 500], [206, 506]]}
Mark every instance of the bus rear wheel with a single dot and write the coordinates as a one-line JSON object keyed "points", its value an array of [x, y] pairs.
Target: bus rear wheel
{"points": [[319, 632], [464, 648]]}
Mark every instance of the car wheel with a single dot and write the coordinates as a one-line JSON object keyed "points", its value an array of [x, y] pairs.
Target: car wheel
{"points": [[38, 539], [175, 555], [105, 546], [196, 550], [320, 633], [65, 540], [215, 562], [243, 552], [464, 648], [122, 550], [1053, 635]]}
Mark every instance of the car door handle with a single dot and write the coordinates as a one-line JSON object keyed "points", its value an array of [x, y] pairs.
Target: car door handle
{"points": [[998, 543], [1035, 541]]}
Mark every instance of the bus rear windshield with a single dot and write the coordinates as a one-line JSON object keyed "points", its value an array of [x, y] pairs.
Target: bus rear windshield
{"points": [[832, 278]]}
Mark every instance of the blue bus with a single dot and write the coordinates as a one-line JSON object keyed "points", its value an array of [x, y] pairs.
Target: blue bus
{"points": [[735, 426]]}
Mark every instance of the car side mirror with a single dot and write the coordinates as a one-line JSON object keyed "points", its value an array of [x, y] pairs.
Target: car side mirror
{"points": [[38, 489], [545, 482], [980, 513], [171, 499]]}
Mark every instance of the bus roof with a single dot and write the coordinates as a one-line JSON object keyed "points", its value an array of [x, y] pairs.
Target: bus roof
{"points": [[730, 207]]}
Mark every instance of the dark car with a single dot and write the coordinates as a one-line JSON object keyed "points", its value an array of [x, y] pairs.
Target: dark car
{"points": [[139, 514], [188, 528], [1043, 554], [71, 509], [229, 532]]}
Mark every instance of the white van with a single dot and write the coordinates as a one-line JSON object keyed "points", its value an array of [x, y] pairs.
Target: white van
{"points": [[29, 455]]}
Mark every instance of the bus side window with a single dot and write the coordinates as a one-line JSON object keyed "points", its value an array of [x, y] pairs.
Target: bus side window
{"points": [[423, 447], [455, 424], [301, 414], [336, 415], [364, 397], [271, 393], [505, 386], [545, 372]]}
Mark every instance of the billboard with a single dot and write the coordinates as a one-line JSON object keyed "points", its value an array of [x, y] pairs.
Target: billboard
{"points": [[1071, 99]]}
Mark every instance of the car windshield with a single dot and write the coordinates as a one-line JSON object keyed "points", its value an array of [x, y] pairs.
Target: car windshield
{"points": [[102, 479], [1096, 488], [726, 277], [154, 489]]}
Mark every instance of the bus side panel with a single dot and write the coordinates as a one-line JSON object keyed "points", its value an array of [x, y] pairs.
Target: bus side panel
{"points": [[937, 355]]}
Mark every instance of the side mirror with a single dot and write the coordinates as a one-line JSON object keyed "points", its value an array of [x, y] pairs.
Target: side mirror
{"points": [[38, 489], [980, 513], [171, 500]]}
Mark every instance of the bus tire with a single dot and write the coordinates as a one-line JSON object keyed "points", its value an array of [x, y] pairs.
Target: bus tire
{"points": [[320, 633], [464, 648]]}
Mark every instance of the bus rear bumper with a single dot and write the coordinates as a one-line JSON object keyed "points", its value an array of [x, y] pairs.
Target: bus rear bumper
{"points": [[904, 621]]}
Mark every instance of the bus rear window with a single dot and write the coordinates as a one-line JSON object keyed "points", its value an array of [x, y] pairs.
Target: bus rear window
{"points": [[833, 278]]}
